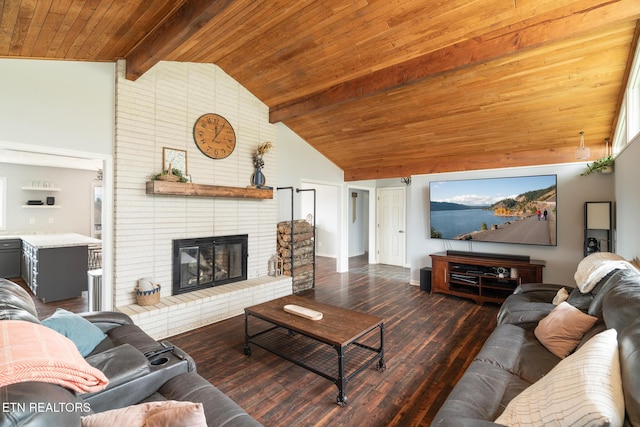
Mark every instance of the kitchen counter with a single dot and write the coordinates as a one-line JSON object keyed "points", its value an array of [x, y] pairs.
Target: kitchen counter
{"points": [[42, 241]]}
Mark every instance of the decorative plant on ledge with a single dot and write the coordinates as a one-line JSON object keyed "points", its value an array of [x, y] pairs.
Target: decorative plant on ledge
{"points": [[603, 165], [174, 175]]}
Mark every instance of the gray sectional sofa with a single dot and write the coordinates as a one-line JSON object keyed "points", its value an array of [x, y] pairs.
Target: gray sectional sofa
{"points": [[139, 369], [513, 359]]}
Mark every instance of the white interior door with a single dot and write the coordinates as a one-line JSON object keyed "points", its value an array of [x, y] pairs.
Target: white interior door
{"points": [[391, 226]]}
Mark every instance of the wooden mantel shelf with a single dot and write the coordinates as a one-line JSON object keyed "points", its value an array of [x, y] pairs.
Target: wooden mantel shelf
{"points": [[202, 190]]}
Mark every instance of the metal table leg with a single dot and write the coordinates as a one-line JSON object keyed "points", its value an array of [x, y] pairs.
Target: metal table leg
{"points": [[342, 379]]}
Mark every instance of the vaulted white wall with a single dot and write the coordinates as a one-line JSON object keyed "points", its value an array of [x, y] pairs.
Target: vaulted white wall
{"points": [[57, 104]]}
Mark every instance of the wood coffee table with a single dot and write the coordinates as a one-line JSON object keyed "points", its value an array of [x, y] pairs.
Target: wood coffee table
{"points": [[313, 344]]}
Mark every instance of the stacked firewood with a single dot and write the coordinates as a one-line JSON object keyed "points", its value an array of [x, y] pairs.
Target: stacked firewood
{"points": [[296, 248]]}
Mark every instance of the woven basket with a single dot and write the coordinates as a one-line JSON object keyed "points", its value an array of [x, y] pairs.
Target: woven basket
{"points": [[171, 178], [148, 297]]}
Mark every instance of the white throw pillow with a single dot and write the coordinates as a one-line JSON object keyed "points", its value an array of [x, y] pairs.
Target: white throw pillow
{"points": [[583, 389], [561, 296]]}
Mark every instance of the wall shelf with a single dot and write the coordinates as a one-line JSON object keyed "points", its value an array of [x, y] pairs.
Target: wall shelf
{"points": [[41, 206], [187, 189], [40, 188]]}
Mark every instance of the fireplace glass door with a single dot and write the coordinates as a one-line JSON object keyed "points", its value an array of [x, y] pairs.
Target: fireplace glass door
{"points": [[228, 263], [204, 262], [196, 265]]}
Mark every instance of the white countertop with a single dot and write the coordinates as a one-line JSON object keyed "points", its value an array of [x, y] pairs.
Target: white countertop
{"points": [[42, 241]]}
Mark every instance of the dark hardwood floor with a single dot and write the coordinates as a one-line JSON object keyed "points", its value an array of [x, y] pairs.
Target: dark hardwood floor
{"points": [[429, 341]]}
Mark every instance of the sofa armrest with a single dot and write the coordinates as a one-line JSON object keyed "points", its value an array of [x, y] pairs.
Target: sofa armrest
{"points": [[536, 287], [525, 317], [120, 364], [106, 320]]}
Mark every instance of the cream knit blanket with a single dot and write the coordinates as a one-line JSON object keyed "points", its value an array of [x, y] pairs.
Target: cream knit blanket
{"points": [[595, 266]]}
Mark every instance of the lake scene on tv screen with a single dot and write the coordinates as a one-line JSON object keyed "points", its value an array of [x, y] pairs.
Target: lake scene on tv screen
{"points": [[505, 210]]}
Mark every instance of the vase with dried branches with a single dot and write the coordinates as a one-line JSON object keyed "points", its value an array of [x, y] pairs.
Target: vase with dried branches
{"points": [[257, 178]]}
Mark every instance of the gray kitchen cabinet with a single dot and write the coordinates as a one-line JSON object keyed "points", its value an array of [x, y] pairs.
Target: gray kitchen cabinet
{"points": [[10, 258], [55, 273]]}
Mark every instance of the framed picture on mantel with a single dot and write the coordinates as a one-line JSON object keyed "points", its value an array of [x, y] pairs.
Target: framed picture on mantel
{"points": [[176, 158]]}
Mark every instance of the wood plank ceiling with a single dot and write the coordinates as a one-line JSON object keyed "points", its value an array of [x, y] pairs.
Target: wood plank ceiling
{"points": [[383, 88]]}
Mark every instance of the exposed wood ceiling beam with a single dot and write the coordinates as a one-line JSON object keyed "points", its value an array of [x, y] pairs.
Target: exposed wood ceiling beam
{"points": [[187, 20], [457, 163], [560, 24]]}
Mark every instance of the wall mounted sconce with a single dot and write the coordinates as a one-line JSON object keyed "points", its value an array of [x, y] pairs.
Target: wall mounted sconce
{"points": [[582, 152], [406, 180]]}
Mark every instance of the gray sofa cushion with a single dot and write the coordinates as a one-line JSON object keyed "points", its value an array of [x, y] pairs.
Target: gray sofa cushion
{"points": [[219, 409], [519, 310], [579, 300], [602, 289], [621, 304], [517, 351], [510, 360], [529, 303]]}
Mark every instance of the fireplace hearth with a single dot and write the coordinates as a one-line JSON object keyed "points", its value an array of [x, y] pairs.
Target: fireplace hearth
{"points": [[205, 262]]}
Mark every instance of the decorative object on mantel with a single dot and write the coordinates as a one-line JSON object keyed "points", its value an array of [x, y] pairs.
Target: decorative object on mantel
{"points": [[170, 174], [257, 178], [174, 159], [582, 152], [147, 293], [602, 165]]}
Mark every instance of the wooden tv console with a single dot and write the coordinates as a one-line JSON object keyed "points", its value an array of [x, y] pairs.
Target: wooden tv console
{"points": [[476, 276]]}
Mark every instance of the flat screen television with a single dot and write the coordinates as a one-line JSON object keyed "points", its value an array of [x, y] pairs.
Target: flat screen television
{"points": [[518, 210]]}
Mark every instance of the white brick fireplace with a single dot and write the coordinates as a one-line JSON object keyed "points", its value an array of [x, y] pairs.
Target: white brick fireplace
{"points": [[159, 110]]}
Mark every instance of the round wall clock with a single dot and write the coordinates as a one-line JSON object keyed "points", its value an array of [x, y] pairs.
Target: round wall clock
{"points": [[214, 136]]}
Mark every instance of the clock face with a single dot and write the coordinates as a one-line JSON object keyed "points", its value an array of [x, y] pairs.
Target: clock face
{"points": [[214, 136]]}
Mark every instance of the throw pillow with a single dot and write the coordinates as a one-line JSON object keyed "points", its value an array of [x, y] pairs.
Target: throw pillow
{"points": [[583, 389], [151, 414], [561, 296], [84, 334], [562, 329]]}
